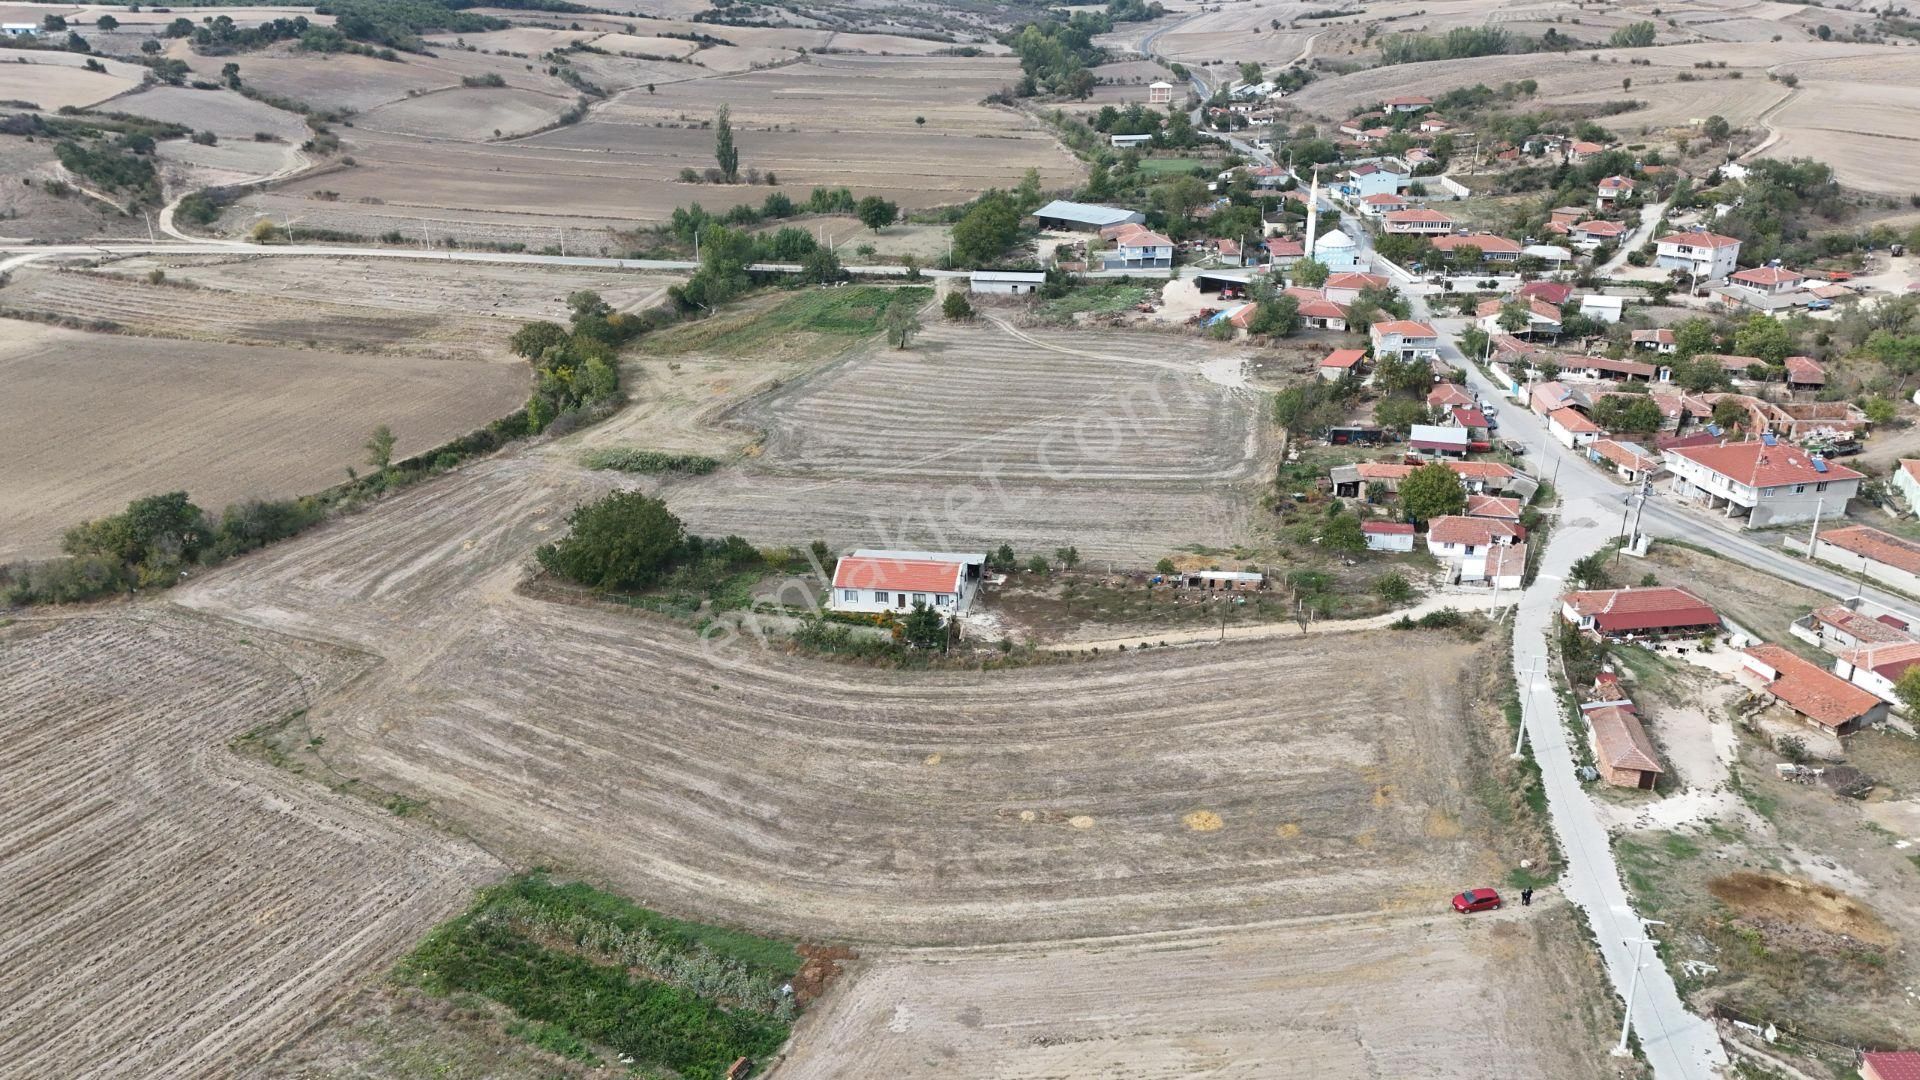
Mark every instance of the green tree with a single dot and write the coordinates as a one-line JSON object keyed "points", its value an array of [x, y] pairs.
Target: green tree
{"points": [[107, 22], [534, 339], [1179, 198], [1408, 374], [1249, 72], [1310, 273], [956, 306], [985, 232], [1636, 35], [1879, 410], [1277, 317], [1399, 414], [1716, 128], [1591, 572], [1513, 317], [1432, 491], [1907, 689], [1069, 556], [1765, 337], [724, 152], [1393, 587], [1729, 414], [923, 628], [901, 324], [1342, 533], [626, 540], [821, 267], [379, 448], [1691, 337], [155, 529], [1637, 413], [876, 213]]}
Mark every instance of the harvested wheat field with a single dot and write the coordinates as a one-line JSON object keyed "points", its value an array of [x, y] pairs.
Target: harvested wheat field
{"points": [[139, 416], [53, 81], [988, 434], [174, 909]]}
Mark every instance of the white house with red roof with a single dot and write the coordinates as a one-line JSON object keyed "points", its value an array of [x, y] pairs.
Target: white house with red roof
{"points": [[1410, 103], [1769, 280], [1572, 427], [1383, 203], [1418, 222], [1388, 535], [1405, 339], [1805, 373], [1493, 249], [1660, 609], [1612, 189], [871, 581], [1824, 699], [1906, 481], [1589, 234], [1344, 288], [1877, 668], [1766, 481], [1466, 542], [1698, 252]]}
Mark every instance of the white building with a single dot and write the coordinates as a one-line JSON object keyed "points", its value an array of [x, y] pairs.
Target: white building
{"points": [[1603, 308], [1160, 93], [19, 30], [1336, 251], [1136, 247], [1016, 282], [1906, 481], [1394, 536], [1405, 339], [871, 581], [1466, 542], [1766, 481], [1707, 256]]}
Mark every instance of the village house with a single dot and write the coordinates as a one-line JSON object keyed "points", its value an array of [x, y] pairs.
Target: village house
{"points": [[1601, 369], [1660, 610], [870, 581], [1549, 397], [1889, 1064], [1405, 339], [1418, 222], [1409, 104], [1591, 234], [1891, 560], [1340, 363], [1160, 93], [1735, 367], [1395, 536], [1376, 205], [1063, 216], [1005, 282], [1542, 318], [1905, 480], [1556, 293], [1770, 280], [1824, 699], [1766, 481], [1506, 566], [1464, 542], [1282, 253], [1628, 460], [1659, 339], [1702, 254], [1805, 373], [1136, 247], [1622, 752], [1493, 249], [1853, 624], [1346, 287], [1612, 191], [1383, 177], [1561, 218], [1493, 506], [1602, 308], [1320, 313], [1572, 429], [1447, 395], [1473, 421], [1221, 580], [1580, 150], [1353, 481], [1877, 668], [1433, 125]]}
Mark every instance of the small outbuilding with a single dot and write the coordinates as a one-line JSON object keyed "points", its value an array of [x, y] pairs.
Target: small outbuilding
{"points": [[1005, 282], [1388, 535]]}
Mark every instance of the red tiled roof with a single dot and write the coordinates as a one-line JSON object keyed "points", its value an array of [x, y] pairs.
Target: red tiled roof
{"points": [[1698, 239], [1871, 543], [1805, 369], [1281, 246], [1352, 280], [1618, 453], [1602, 363], [1910, 466], [1756, 464], [1343, 358], [1387, 528], [1460, 529], [1659, 608], [1888, 659], [900, 575], [1659, 335], [1622, 742], [1729, 362], [1820, 696], [1488, 243], [1767, 275], [1584, 147], [1385, 200], [1859, 626], [1482, 470], [1421, 214], [1469, 418], [1599, 228], [1553, 292], [1507, 560], [1415, 99], [1406, 328], [1134, 234], [1449, 394], [1321, 308], [1616, 183], [1574, 420], [1493, 506], [1893, 1064]]}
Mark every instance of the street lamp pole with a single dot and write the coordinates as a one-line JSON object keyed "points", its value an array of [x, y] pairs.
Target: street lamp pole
{"points": [[1526, 700], [1633, 988]]}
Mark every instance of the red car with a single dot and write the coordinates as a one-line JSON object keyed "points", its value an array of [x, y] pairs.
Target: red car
{"points": [[1476, 900]]}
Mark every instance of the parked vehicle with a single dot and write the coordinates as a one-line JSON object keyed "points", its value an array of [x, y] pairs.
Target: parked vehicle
{"points": [[1821, 304], [1476, 900], [1514, 447]]}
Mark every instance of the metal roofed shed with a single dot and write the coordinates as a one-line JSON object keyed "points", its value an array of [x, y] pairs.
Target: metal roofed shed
{"points": [[1006, 282], [1061, 214]]}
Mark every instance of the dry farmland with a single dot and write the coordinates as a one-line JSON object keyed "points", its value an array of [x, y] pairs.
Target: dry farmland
{"points": [[93, 420], [56, 80], [173, 909], [982, 434]]}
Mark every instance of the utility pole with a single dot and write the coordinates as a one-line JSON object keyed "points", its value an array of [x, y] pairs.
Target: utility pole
{"points": [[1813, 536], [1526, 699], [1633, 987]]}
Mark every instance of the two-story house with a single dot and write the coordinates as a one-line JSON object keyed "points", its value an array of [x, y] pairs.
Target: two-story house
{"points": [[1405, 339], [1418, 222], [1137, 247], [1765, 481], [1707, 256]]}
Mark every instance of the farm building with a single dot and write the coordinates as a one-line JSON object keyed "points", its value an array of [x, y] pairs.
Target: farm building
{"points": [[1340, 362], [875, 581], [1660, 610], [1492, 249], [1435, 439], [1805, 373], [1388, 535], [1621, 749], [1607, 309], [19, 30], [1084, 217], [1853, 624], [1766, 481], [1124, 141], [1160, 93], [1015, 282], [1598, 368], [1222, 580], [1824, 699], [1886, 558]]}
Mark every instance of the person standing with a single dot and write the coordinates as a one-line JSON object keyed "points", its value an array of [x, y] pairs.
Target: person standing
{"points": [[1526, 896]]}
